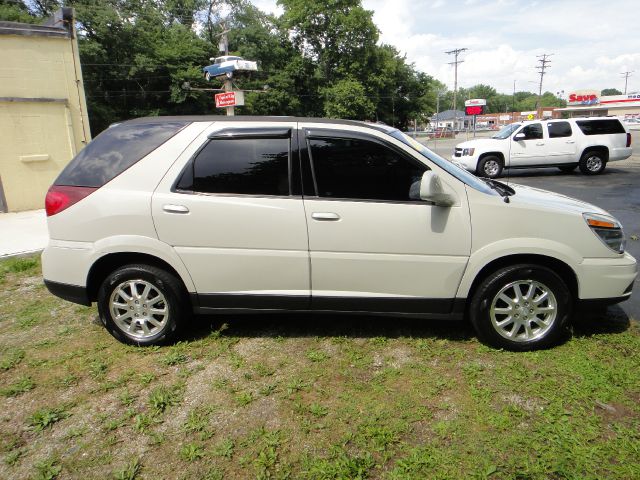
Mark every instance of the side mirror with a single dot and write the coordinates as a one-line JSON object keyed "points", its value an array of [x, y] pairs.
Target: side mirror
{"points": [[433, 190], [519, 136]]}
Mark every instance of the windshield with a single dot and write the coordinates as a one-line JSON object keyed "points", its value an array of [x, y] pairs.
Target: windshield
{"points": [[458, 172], [506, 131]]}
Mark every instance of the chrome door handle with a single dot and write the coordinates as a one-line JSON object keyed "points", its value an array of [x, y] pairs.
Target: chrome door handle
{"points": [[325, 216], [571, 141], [175, 209], [540, 144]]}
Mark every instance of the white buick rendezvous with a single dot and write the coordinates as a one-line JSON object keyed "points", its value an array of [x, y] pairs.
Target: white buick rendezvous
{"points": [[159, 218]]}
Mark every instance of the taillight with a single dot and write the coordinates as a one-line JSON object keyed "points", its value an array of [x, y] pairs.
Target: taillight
{"points": [[61, 197], [628, 139]]}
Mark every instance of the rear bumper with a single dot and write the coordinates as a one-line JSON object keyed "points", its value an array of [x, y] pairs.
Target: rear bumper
{"points": [[71, 293]]}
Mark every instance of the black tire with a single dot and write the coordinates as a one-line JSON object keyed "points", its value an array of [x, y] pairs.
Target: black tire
{"points": [[207, 76], [593, 162], [172, 300], [490, 167], [544, 329], [568, 168]]}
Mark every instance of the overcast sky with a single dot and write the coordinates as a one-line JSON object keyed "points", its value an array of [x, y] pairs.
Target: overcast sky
{"points": [[592, 42]]}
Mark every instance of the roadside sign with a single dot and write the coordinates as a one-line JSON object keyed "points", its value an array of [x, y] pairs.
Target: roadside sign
{"points": [[475, 102], [530, 116], [229, 99]]}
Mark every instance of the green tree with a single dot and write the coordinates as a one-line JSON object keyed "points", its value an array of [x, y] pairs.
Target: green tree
{"points": [[347, 99], [339, 35], [610, 91]]}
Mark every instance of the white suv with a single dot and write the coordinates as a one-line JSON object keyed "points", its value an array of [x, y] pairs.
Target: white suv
{"points": [[588, 143], [158, 218]]}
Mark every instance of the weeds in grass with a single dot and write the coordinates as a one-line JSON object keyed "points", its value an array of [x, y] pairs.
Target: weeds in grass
{"points": [[126, 398], [244, 398], [98, 369], [48, 469], [317, 355], [45, 417], [163, 397], [198, 422], [224, 449], [295, 385], [214, 474], [22, 385], [13, 457], [142, 422], [21, 265], [191, 452], [10, 358], [146, 378], [130, 471], [174, 357], [318, 410], [267, 390]]}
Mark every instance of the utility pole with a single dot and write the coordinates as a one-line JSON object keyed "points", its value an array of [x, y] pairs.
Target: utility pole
{"points": [[626, 76], [228, 84], [543, 62], [455, 52]]}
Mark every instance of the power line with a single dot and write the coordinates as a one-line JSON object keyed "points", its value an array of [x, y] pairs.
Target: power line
{"points": [[543, 63], [626, 76]]}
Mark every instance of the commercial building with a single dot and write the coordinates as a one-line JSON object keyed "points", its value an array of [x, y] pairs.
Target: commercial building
{"points": [[587, 103], [43, 112]]}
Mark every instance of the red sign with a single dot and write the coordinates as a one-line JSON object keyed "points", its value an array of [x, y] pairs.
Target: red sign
{"points": [[474, 110], [583, 97], [227, 99]]}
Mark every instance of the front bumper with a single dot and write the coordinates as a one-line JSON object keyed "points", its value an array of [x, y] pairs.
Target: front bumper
{"points": [[607, 280], [468, 163]]}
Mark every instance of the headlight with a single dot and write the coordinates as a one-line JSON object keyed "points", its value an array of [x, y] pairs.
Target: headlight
{"points": [[607, 229], [468, 152]]}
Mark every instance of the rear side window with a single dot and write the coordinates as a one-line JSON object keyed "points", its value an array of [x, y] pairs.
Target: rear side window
{"points": [[114, 150], [559, 129], [245, 166], [600, 127], [361, 169]]}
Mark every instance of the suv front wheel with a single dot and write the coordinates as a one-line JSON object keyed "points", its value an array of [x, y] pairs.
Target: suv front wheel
{"points": [[521, 307], [490, 167], [142, 305]]}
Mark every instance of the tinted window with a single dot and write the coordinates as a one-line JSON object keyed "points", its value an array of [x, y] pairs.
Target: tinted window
{"points": [[559, 129], [600, 127], [249, 166], [115, 150], [361, 169], [533, 131]]}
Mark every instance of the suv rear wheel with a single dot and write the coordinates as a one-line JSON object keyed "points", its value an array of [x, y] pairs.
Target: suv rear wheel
{"points": [[142, 305], [521, 307], [592, 162], [490, 167]]}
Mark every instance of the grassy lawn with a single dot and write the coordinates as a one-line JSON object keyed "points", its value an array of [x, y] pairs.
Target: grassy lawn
{"points": [[310, 397]]}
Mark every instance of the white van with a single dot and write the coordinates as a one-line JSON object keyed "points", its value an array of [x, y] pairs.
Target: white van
{"points": [[158, 218], [588, 143]]}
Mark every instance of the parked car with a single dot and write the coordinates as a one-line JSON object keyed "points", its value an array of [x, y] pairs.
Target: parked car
{"points": [[227, 65], [442, 132], [632, 123], [588, 143], [159, 218]]}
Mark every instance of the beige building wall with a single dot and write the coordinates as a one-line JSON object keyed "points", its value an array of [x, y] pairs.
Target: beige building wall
{"points": [[43, 113]]}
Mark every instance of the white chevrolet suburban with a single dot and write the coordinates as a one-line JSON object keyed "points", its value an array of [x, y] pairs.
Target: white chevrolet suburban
{"points": [[588, 143], [159, 218]]}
